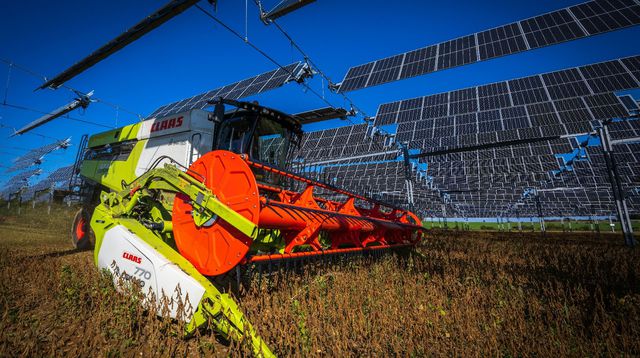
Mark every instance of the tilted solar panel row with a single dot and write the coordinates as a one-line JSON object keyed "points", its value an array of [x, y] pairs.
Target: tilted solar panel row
{"points": [[575, 22]]}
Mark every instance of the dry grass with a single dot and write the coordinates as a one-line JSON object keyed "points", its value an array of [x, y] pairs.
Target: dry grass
{"points": [[471, 294]]}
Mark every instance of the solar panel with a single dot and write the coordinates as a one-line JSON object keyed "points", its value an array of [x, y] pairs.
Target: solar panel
{"points": [[80, 102], [629, 102], [493, 96], [457, 52], [17, 183], [586, 19], [159, 17], [488, 181], [544, 88], [61, 174], [606, 15], [248, 87], [321, 114], [633, 65], [415, 63], [606, 106], [551, 28], [609, 76], [565, 84], [35, 156], [548, 105], [284, 7], [385, 70], [501, 41]]}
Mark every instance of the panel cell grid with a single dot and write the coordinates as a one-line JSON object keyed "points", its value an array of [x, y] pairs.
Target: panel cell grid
{"points": [[458, 52], [494, 96], [386, 70], [436, 105], [463, 101], [419, 62], [501, 41], [607, 15], [237, 90], [551, 28], [607, 77], [565, 84], [527, 90], [606, 106], [357, 77]]}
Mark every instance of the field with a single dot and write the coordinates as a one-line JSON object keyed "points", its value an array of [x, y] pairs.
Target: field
{"points": [[583, 226], [470, 293]]}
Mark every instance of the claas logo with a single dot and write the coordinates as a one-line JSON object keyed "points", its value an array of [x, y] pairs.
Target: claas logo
{"points": [[131, 257], [166, 124]]}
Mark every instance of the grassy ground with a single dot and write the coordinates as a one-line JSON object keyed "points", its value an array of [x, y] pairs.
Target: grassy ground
{"points": [[603, 226], [472, 293]]}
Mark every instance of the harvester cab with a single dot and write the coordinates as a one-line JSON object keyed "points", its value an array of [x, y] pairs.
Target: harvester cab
{"points": [[173, 202], [263, 134]]}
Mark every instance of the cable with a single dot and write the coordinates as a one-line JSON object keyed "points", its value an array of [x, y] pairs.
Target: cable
{"points": [[15, 148], [322, 73], [32, 133], [238, 35], [11, 64], [22, 68], [48, 113], [246, 40]]}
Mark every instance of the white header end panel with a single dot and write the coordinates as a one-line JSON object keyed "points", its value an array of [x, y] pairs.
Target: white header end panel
{"points": [[130, 259]]}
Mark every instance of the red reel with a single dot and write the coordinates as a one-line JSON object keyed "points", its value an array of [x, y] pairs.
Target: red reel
{"points": [[217, 247]]}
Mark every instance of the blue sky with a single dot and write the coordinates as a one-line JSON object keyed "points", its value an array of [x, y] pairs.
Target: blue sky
{"points": [[191, 54]]}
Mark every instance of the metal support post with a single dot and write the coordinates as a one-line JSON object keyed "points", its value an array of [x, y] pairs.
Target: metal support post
{"points": [[616, 185]]}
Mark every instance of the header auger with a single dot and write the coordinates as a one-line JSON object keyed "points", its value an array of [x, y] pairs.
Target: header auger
{"points": [[170, 229]]}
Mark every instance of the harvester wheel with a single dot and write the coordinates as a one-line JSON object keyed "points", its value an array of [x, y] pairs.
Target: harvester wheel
{"points": [[81, 234]]}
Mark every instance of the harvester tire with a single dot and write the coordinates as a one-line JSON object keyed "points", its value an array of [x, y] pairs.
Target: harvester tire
{"points": [[81, 233]]}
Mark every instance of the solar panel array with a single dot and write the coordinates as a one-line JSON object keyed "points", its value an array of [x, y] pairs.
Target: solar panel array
{"points": [[575, 22], [250, 86], [482, 183], [35, 156], [17, 183], [59, 178], [489, 182], [485, 183], [551, 104]]}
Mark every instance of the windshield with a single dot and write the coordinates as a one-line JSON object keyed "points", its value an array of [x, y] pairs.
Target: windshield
{"points": [[271, 143], [235, 134]]}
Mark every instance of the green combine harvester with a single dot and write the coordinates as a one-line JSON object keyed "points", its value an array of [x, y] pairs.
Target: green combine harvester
{"points": [[172, 203]]}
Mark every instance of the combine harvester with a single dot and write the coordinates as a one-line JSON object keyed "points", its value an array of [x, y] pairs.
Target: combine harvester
{"points": [[174, 202]]}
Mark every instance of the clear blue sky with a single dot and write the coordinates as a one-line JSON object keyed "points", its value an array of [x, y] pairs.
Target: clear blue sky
{"points": [[190, 54]]}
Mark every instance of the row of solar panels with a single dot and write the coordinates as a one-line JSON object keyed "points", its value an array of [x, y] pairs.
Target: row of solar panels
{"points": [[586, 19], [554, 104], [575, 22], [487, 170], [35, 156], [19, 185]]}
